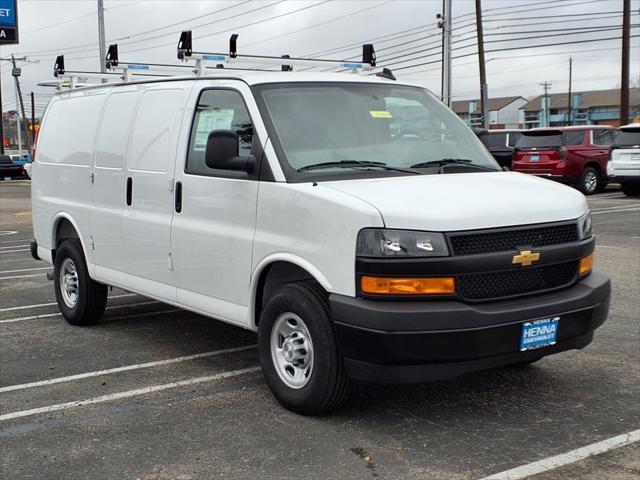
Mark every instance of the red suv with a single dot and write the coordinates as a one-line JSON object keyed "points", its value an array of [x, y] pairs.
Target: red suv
{"points": [[576, 156]]}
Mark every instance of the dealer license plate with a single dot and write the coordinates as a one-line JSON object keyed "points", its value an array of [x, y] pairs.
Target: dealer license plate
{"points": [[534, 158], [539, 333]]}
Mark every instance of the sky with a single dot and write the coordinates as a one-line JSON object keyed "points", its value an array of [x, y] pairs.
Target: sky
{"points": [[404, 32]]}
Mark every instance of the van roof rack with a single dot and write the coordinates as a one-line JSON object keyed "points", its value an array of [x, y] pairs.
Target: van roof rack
{"points": [[186, 52], [126, 71]]}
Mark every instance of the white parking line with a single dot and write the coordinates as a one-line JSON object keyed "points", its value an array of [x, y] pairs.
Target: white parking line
{"points": [[616, 207], [38, 305], [49, 315], [617, 210], [127, 368], [563, 459], [24, 276], [26, 270], [127, 394], [13, 246], [15, 251]]}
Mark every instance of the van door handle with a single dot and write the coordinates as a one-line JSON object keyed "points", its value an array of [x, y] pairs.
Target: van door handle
{"points": [[129, 190], [178, 199]]}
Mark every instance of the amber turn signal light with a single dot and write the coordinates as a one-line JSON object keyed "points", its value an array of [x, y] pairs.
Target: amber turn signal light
{"points": [[408, 286], [586, 264]]}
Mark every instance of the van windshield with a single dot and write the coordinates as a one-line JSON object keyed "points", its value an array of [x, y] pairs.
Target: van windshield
{"points": [[539, 140], [363, 129]]}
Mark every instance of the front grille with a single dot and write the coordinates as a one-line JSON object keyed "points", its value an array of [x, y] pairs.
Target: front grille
{"points": [[502, 240], [484, 286]]}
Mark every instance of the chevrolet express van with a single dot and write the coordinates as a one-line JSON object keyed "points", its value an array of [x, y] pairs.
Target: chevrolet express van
{"points": [[353, 222]]}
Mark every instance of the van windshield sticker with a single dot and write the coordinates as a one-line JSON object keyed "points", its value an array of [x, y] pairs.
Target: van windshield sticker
{"points": [[380, 114], [210, 120]]}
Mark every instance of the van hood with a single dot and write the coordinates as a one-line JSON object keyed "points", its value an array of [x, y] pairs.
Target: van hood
{"points": [[465, 201]]}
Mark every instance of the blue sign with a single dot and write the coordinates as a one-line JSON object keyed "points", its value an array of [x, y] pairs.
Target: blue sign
{"points": [[8, 21], [8, 15]]}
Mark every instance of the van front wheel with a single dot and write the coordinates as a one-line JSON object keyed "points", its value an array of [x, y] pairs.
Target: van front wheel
{"points": [[80, 299], [298, 351]]}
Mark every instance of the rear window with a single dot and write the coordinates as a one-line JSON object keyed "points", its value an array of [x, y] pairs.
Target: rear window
{"points": [[513, 138], [627, 137], [540, 140], [573, 137], [494, 140]]}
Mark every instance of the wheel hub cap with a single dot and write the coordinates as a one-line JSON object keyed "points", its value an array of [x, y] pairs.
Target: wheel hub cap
{"points": [[292, 350], [69, 283]]}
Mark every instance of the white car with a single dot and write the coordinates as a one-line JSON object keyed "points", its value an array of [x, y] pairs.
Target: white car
{"points": [[624, 166], [354, 222]]}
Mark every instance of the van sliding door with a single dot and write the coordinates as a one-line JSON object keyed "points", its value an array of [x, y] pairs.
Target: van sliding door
{"points": [[148, 199]]}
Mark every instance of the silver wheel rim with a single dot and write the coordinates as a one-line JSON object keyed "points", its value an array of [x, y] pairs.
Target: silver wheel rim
{"points": [[590, 181], [292, 350], [69, 283]]}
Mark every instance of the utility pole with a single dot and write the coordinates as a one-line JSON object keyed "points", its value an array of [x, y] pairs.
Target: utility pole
{"points": [[444, 22], [101, 38], [16, 75], [569, 100], [545, 103], [624, 81], [484, 90]]}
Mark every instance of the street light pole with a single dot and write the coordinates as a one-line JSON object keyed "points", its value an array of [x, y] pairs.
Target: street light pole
{"points": [[446, 52]]}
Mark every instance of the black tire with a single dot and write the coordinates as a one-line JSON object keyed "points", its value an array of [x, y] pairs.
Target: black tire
{"points": [[590, 181], [91, 297], [328, 385], [631, 189]]}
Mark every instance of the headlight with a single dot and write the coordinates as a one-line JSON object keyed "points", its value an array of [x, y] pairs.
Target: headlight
{"points": [[585, 226], [375, 242]]}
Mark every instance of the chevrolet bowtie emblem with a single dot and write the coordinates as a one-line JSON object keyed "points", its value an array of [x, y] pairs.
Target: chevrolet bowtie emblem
{"points": [[525, 258]]}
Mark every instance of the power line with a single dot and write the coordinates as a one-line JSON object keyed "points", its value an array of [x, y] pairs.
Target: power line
{"points": [[519, 48]]}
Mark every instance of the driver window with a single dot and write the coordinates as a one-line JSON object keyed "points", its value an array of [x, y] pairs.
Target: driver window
{"points": [[217, 110]]}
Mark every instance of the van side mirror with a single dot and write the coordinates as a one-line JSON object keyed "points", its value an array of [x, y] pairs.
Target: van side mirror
{"points": [[222, 152]]}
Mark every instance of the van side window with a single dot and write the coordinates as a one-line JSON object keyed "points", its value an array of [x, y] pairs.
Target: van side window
{"points": [[217, 110], [573, 137], [603, 137]]}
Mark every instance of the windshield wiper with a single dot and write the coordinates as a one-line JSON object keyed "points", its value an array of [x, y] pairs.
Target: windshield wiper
{"points": [[355, 164], [452, 161]]}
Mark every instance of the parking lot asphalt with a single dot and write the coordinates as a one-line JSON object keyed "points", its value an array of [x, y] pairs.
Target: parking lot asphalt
{"points": [[153, 392]]}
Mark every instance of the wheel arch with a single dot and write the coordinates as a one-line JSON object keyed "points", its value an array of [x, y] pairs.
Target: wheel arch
{"points": [[65, 227], [275, 271]]}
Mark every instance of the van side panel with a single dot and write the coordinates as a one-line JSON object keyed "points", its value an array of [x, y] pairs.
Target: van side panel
{"points": [[61, 178]]}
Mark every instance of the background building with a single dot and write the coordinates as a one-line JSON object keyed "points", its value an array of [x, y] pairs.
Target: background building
{"points": [[597, 107], [504, 112]]}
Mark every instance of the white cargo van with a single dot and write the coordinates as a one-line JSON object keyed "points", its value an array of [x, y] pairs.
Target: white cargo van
{"points": [[354, 222]]}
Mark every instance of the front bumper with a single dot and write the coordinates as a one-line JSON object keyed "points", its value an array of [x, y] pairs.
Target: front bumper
{"points": [[406, 341]]}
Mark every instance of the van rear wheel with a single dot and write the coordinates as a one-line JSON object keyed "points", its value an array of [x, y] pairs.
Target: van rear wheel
{"points": [[298, 351], [81, 300]]}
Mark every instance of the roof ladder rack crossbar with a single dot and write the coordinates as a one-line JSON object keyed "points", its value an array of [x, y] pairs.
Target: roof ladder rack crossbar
{"points": [[186, 52], [128, 69]]}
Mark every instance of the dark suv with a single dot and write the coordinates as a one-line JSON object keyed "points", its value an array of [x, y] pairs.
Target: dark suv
{"points": [[500, 144], [576, 156]]}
